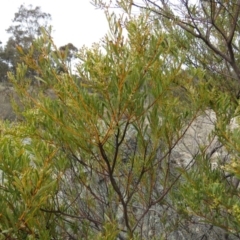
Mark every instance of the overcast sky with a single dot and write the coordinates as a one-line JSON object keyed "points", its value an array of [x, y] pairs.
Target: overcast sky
{"points": [[75, 21]]}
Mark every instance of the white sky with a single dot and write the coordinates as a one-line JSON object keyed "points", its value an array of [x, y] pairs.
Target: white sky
{"points": [[75, 21]]}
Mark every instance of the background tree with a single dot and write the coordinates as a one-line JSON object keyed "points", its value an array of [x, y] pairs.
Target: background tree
{"points": [[26, 27], [68, 54], [3, 65]]}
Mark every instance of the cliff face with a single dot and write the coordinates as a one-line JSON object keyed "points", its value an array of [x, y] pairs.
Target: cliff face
{"points": [[199, 135], [200, 138]]}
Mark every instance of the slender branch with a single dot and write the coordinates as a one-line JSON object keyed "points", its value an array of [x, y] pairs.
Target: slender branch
{"points": [[192, 27], [116, 188], [234, 23]]}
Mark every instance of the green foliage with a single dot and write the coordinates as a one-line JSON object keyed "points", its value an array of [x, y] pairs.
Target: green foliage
{"points": [[26, 184], [112, 131], [206, 195], [93, 154]]}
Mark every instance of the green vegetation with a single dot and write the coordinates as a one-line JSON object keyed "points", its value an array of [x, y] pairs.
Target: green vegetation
{"points": [[112, 151]]}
